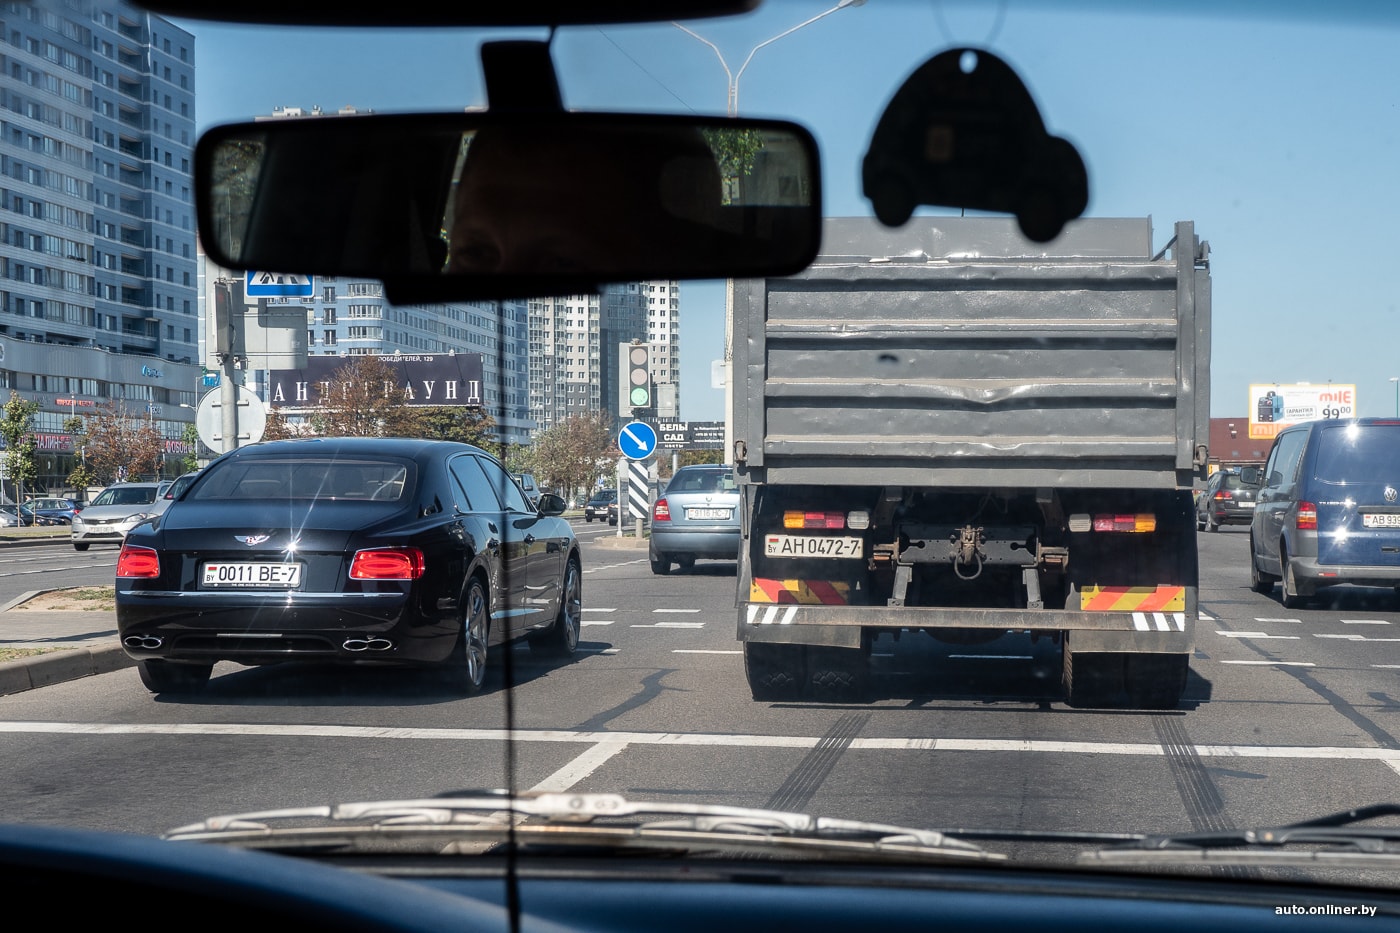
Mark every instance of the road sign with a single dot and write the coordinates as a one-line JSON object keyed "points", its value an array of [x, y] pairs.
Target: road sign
{"points": [[209, 420], [636, 440], [278, 285]]}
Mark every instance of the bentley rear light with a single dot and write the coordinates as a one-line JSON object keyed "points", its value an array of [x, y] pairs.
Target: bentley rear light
{"points": [[138, 562], [400, 563]]}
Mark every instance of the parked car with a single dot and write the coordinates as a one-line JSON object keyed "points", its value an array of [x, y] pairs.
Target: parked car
{"points": [[58, 508], [528, 486], [23, 516], [1328, 511], [346, 550], [697, 516], [1228, 498], [597, 506], [175, 490], [116, 510]]}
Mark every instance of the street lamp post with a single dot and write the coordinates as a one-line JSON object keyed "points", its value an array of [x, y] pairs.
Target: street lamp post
{"points": [[1396, 380], [732, 109]]}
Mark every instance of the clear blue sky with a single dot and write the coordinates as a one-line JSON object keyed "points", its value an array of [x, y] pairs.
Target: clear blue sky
{"points": [[1280, 140]]}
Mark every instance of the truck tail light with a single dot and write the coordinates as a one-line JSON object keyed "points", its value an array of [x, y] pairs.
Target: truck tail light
{"points": [[138, 562], [1307, 516], [661, 512], [859, 520], [1137, 523], [797, 518], [389, 563]]}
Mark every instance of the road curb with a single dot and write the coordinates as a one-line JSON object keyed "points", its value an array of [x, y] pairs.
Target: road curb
{"points": [[60, 666]]}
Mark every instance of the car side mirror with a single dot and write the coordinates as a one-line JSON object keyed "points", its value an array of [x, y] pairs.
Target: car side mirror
{"points": [[550, 504]]}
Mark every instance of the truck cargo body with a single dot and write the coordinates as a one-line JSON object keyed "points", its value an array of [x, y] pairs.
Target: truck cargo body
{"points": [[949, 429]]}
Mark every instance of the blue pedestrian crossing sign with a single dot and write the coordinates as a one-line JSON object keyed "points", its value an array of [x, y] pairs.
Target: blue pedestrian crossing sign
{"points": [[278, 285], [637, 440]]}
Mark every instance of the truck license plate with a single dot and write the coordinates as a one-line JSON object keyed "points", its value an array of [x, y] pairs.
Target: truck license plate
{"points": [[1380, 520], [812, 546], [252, 573]]}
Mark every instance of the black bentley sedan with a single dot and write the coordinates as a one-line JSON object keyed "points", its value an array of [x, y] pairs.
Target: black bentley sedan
{"points": [[347, 550]]}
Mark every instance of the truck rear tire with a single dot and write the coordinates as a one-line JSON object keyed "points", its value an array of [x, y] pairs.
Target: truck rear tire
{"points": [[775, 672], [1156, 681], [838, 674], [1092, 678]]}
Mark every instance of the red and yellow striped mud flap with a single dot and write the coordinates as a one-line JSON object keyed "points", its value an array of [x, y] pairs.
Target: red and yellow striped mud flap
{"points": [[1154, 608], [806, 592]]}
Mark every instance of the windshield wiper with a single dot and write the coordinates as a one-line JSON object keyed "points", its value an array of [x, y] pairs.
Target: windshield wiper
{"points": [[1332, 839], [571, 820]]}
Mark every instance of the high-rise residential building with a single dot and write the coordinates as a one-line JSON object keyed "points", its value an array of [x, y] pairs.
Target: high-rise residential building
{"points": [[574, 363], [98, 263]]}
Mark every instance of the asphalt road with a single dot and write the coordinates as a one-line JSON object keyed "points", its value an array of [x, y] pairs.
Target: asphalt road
{"points": [[1289, 715]]}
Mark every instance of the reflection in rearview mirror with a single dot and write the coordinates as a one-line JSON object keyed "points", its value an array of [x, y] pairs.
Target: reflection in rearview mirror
{"points": [[473, 199]]}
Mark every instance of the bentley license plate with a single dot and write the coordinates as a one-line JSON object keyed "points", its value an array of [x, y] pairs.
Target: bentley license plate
{"points": [[252, 573]]}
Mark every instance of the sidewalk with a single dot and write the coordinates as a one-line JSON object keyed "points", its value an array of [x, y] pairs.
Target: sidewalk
{"points": [[88, 639]]}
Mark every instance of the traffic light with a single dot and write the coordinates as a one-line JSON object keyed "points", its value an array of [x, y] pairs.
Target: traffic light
{"points": [[638, 383]]}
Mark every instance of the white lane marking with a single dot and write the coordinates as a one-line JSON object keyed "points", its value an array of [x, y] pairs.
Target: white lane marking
{"points": [[675, 610], [1292, 621], [1203, 616], [704, 651], [640, 560], [1365, 622], [1278, 663], [581, 767], [1394, 765], [593, 609], [598, 650], [1259, 635], [671, 625], [596, 622], [1388, 667], [691, 740], [1350, 637]]}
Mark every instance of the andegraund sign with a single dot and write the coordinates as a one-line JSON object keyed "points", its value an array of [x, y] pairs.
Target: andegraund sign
{"points": [[426, 379]]}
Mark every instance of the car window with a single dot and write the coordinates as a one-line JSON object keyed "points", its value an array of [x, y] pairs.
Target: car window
{"points": [[480, 495], [510, 495], [332, 480], [1283, 459], [1357, 453]]}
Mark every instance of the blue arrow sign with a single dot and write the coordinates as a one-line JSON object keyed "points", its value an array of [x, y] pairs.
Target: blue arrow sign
{"points": [[637, 440], [278, 285]]}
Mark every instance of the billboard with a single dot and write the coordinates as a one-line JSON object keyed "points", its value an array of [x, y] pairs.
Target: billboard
{"points": [[1274, 406], [427, 379]]}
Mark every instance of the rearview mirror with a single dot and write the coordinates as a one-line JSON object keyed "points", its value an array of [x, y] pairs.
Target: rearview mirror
{"points": [[1252, 475], [481, 205]]}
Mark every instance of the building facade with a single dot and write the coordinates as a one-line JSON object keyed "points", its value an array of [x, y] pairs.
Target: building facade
{"points": [[98, 264], [574, 362]]}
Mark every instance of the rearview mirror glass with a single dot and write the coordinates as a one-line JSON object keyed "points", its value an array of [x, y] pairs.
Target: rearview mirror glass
{"points": [[510, 203]]}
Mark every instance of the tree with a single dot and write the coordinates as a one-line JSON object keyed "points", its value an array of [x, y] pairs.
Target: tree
{"points": [[190, 460], [566, 455], [464, 425], [122, 446], [364, 399], [81, 477], [17, 430], [278, 428]]}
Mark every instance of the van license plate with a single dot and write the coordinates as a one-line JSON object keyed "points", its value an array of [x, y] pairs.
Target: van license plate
{"points": [[1380, 520]]}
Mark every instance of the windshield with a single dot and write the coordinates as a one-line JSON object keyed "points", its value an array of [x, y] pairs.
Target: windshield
{"points": [[950, 574]]}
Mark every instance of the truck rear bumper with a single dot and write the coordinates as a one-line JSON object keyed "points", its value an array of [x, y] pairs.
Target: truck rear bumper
{"points": [[842, 626]]}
